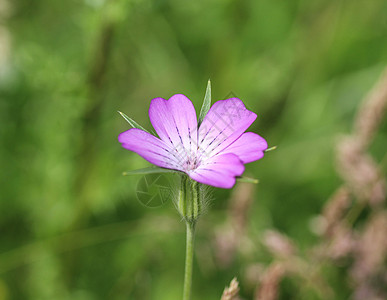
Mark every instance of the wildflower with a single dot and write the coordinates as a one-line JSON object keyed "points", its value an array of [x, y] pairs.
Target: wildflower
{"points": [[212, 152]]}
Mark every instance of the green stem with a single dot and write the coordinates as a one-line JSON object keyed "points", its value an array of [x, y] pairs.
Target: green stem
{"points": [[189, 260]]}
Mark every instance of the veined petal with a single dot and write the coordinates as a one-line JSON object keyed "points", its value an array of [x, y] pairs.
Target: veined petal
{"points": [[219, 171], [248, 147], [176, 124], [150, 148], [224, 123]]}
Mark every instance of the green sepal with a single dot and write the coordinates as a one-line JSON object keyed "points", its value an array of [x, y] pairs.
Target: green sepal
{"points": [[206, 103], [189, 201], [131, 122], [270, 149], [149, 170], [247, 180]]}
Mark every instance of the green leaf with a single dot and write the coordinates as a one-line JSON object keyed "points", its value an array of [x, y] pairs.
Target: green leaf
{"points": [[149, 170], [247, 180], [270, 149], [206, 103], [131, 122]]}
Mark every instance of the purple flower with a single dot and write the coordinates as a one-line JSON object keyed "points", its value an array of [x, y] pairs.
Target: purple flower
{"points": [[213, 153]]}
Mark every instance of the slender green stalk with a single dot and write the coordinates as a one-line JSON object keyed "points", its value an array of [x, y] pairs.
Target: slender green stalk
{"points": [[189, 260], [189, 207]]}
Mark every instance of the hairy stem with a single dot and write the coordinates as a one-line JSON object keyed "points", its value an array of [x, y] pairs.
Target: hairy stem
{"points": [[189, 260]]}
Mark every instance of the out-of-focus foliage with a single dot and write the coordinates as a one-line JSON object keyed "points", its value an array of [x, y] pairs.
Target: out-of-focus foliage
{"points": [[70, 224]]}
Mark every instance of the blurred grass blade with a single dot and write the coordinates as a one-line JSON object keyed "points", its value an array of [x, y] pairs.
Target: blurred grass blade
{"points": [[270, 149], [131, 122], [247, 180], [206, 103], [149, 170]]}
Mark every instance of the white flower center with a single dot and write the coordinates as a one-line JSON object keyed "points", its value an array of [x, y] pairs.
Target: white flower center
{"points": [[191, 163]]}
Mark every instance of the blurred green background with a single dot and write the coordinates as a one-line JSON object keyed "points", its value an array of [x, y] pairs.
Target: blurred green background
{"points": [[70, 224]]}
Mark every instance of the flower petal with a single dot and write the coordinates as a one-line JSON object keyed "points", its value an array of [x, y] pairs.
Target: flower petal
{"points": [[219, 171], [224, 123], [150, 148], [175, 122], [248, 147]]}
